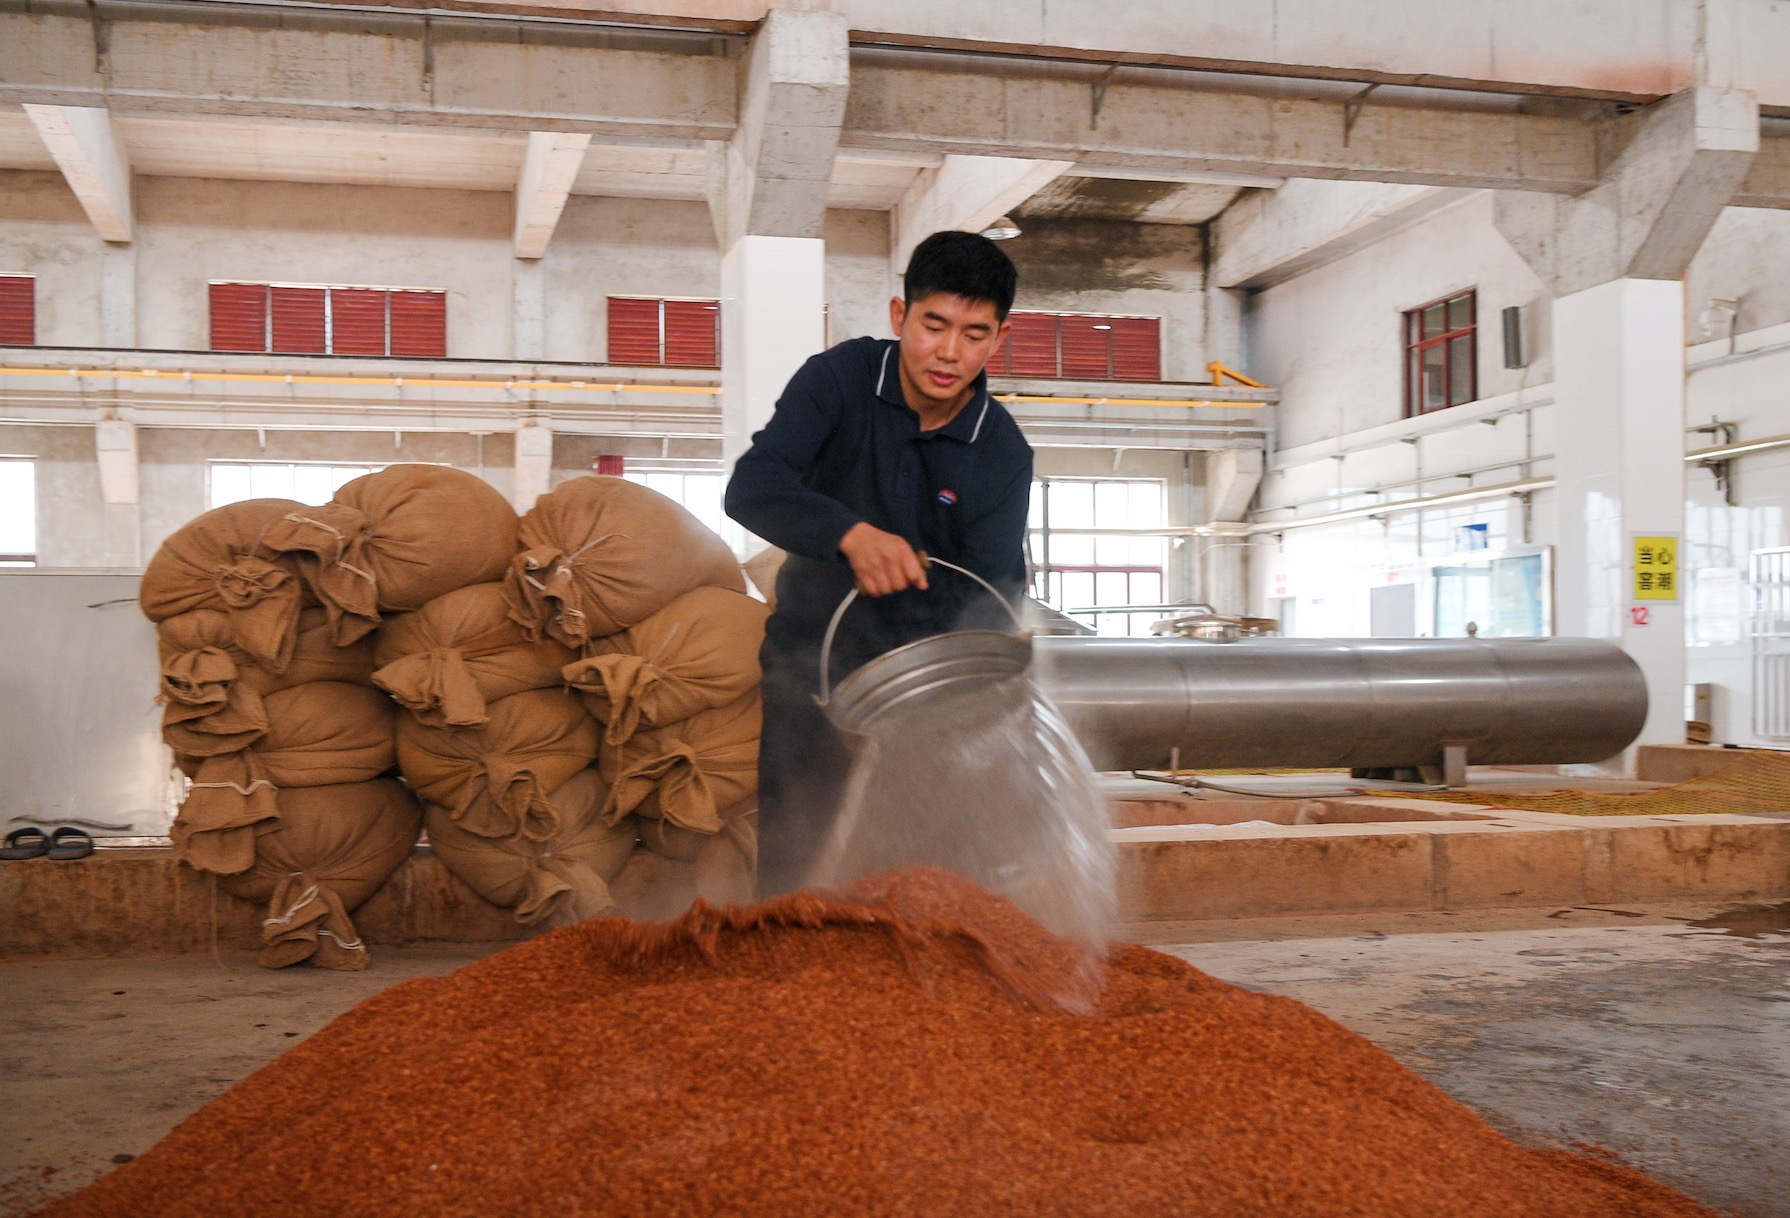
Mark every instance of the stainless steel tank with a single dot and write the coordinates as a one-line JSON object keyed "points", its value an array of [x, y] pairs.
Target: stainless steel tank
{"points": [[1367, 703]]}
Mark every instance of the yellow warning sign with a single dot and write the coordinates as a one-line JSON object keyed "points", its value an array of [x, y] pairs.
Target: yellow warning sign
{"points": [[1656, 568]]}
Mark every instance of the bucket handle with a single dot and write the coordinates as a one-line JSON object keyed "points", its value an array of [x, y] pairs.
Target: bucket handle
{"points": [[927, 561]]}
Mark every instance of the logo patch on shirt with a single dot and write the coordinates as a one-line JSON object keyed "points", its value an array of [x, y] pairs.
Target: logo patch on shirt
{"points": [[947, 496]]}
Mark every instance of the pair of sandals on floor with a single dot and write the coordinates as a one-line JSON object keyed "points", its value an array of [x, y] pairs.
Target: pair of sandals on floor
{"points": [[63, 845]]}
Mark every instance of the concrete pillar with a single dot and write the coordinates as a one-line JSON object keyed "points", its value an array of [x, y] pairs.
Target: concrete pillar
{"points": [[1619, 385], [773, 317], [529, 324], [118, 296], [534, 463], [1232, 476], [115, 445]]}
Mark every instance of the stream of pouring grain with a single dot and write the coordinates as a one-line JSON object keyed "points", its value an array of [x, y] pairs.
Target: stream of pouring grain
{"points": [[984, 780]]}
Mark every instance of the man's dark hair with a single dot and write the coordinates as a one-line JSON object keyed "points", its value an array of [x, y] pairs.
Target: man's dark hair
{"points": [[963, 264]]}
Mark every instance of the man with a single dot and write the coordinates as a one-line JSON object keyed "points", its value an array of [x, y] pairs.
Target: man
{"points": [[878, 450]]}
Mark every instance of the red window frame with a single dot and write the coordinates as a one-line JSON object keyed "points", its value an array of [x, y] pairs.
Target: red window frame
{"points": [[1080, 347], [18, 310], [664, 332], [323, 319], [1441, 337]]}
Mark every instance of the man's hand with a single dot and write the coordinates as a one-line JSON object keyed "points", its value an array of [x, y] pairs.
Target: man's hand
{"points": [[881, 562]]}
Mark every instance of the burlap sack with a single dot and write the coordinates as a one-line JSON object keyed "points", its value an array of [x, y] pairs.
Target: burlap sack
{"points": [[444, 662], [397, 539], [699, 652], [222, 561], [494, 780], [762, 569], [211, 688], [322, 734], [718, 867], [559, 880], [331, 849], [688, 772], [602, 554]]}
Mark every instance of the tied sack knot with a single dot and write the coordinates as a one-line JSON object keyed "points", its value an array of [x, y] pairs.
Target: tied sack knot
{"points": [[247, 582], [525, 587], [306, 920], [671, 786], [331, 545], [437, 687], [229, 804], [201, 677], [512, 804], [614, 688]]}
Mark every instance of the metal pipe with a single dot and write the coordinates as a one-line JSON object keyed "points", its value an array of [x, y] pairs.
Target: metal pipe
{"points": [[1141, 703]]}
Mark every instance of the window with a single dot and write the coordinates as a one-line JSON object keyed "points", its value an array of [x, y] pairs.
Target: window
{"points": [[1081, 347], [1441, 355], [18, 512], [305, 481], [301, 319], [698, 490], [18, 310], [648, 332], [1078, 572]]}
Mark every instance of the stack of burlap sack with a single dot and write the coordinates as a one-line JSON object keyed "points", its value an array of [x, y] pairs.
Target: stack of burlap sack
{"points": [[585, 731], [578, 692]]}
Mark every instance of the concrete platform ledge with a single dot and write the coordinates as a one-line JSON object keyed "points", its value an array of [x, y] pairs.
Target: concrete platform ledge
{"points": [[1240, 858]]}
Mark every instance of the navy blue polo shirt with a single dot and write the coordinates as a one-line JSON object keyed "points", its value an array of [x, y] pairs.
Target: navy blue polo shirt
{"points": [[843, 446]]}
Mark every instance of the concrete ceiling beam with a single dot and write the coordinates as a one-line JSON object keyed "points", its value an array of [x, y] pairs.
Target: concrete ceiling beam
{"points": [[1686, 160], [966, 192], [1767, 182], [771, 178], [1155, 125], [1269, 237], [549, 168], [93, 163], [397, 72]]}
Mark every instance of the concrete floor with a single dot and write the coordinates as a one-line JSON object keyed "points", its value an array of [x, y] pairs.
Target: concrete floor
{"points": [[1635, 1029]]}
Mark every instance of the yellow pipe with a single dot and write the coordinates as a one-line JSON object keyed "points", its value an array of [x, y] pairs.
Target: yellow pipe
{"points": [[1027, 397], [568, 386], [1219, 372], [397, 381]]}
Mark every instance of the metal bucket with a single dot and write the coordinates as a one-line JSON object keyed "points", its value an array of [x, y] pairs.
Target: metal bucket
{"points": [[949, 665]]}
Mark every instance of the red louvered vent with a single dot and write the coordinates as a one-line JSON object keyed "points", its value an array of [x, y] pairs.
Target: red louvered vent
{"points": [[18, 310], [1087, 348], [1031, 347], [298, 321], [634, 331], [239, 317], [419, 324], [1137, 348], [357, 321], [693, 333]]}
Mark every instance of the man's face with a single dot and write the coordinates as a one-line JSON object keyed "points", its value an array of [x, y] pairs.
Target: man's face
{"points": [[945, 341]]}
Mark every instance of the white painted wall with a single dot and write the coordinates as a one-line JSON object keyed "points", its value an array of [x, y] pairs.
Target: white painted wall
{"points": [[192, 230], [1330, 340], [44, 232]]}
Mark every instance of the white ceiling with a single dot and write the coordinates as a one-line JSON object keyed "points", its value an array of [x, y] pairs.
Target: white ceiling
{"points": [[368, 155], [446, 159]]}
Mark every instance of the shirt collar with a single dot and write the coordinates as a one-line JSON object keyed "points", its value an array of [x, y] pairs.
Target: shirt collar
{"points": [[965, 428]]}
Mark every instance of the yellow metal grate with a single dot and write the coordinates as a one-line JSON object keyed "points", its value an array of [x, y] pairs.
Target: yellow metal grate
{"points": [[1757, 781]]}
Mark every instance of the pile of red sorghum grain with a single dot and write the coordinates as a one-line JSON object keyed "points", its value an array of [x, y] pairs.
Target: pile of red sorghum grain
{"points": [[880, 1052]]}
